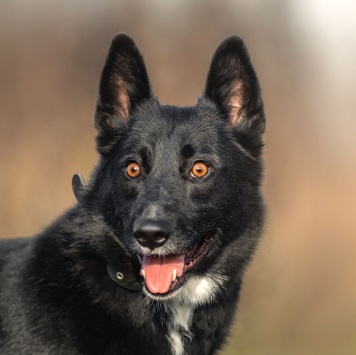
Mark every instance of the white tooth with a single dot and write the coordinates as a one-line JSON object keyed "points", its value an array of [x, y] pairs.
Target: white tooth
{"points": [[142, 272], [174, 277]]}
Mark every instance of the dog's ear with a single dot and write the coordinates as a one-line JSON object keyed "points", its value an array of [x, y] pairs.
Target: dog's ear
{"points": [[124, 84], [233, 86]]}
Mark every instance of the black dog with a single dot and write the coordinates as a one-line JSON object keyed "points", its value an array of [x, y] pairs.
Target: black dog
{"points": [[150, 260]]}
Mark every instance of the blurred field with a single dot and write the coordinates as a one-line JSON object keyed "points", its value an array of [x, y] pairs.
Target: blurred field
{"points": [[300, 293]]}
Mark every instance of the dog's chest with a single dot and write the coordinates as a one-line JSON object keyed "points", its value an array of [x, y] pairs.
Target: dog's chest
{"points": [[180, 317], [198, 291]]}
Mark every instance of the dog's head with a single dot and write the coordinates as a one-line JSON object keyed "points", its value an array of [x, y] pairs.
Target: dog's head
{"points": [[180, 185]]}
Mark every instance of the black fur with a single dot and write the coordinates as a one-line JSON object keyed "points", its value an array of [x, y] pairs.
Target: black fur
{"points": [[58, 291]]}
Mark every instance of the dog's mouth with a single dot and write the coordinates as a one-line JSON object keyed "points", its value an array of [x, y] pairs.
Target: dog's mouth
{"points": [[164, 275]]}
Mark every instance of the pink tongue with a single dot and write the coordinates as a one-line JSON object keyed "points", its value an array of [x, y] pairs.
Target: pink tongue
{"points": [[159, 271]]}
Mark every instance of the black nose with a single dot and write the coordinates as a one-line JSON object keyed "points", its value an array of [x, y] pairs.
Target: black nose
{"points": [[151, 233]]}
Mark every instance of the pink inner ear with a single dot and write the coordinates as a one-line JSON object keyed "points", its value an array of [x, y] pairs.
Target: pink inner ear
{"points": [[235, 103], [123, 98]]}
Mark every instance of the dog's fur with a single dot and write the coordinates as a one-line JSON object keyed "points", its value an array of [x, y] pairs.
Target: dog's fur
{"points": [[76, 287]]}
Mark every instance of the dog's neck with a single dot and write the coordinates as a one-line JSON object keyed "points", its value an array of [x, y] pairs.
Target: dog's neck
{"points": [[198, 291], [180, 318]]}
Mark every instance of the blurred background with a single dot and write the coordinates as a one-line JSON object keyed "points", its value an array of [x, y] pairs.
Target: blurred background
{"points": [[299, 295]]}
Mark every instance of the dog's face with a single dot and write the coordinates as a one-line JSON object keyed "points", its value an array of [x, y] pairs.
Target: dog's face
{"points": [[180, 186]]}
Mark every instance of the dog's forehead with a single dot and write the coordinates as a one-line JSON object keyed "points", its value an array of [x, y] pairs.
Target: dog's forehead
{"points": [[176, 127]]}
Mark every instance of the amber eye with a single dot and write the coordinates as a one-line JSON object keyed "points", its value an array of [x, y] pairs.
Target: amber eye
{"points": [[200, 169], [133, 170]]}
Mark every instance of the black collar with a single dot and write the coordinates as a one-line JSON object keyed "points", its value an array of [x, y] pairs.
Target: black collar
{"points": [[121, 268], [122, 271]]}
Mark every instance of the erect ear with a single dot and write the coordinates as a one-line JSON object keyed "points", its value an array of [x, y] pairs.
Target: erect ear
{"points": [[124, 84], [233, 86]]}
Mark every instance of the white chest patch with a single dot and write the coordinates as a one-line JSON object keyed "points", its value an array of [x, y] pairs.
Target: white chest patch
{"points": [[180, 320], [197, 291]]}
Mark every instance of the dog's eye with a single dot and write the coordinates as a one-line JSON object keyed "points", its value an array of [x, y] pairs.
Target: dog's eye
{"points": [[200, 169], [133, 170]]}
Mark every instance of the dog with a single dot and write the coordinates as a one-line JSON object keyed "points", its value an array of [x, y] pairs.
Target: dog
{"points": [[151, 258]]}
